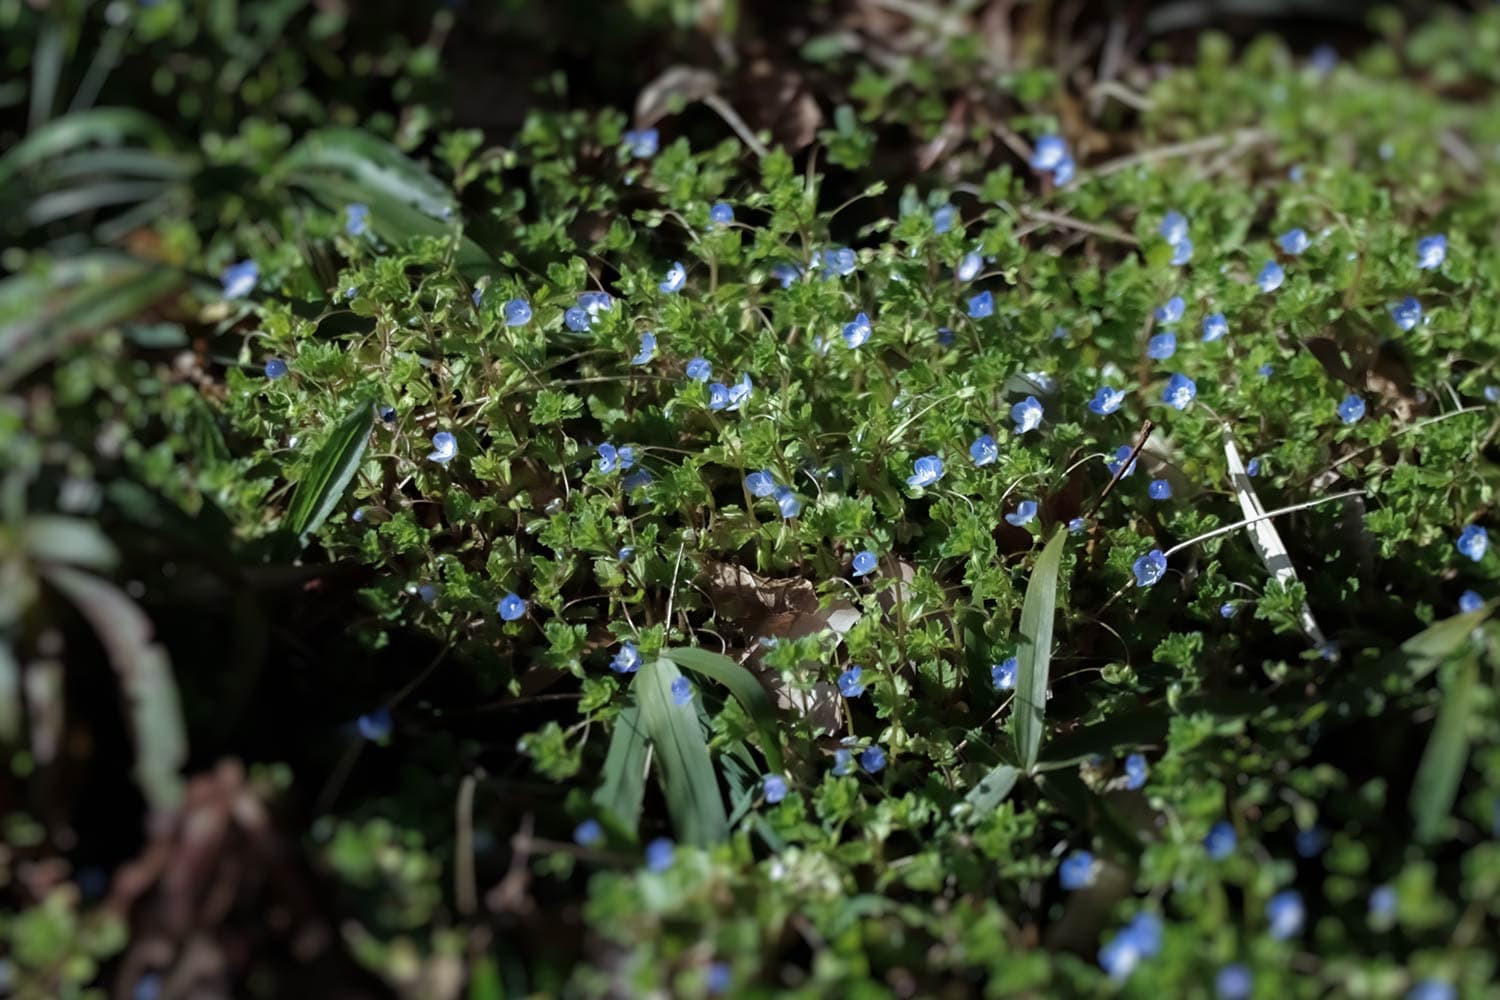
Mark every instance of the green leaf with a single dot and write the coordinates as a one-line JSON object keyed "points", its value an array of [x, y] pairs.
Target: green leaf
{"points": [[332, 469], [1443, 762], [687, 774], [72, 540], [373, 164], [985, 797], [1035, 653], [624, 787], [1441, 641], [99, 126], [10, 697], [746, 690]]}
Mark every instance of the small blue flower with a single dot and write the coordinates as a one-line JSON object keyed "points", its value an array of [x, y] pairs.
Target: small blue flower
{"points": [[1064, 171], [1293, 241], [1407, 313], [517, 312], [1162, 346], [1265, 370], [427, 593], [682, 691], [873, 760], [925, 471], [387, 414], [1174, 227], [375, 726], [1182, 252], [787, 501], [476, 297], [1432, 251], [627, 660], [1469, 602], [1122, 453], [1253, 468], [839, 262], [1141, 938], [864, 563], [1296, 173], [1050, 151], [761, 484], [721, 214], [1180, 392], [1492, 393], [1076, 525], [660, 854], [969, 267], [1271, 276], [984, 450], [351, 291], [1352, 409], [1149, 568], [1383, 903], [444, 448], [612, 459], [1003, 675], [276, 368], [676, 278], [1432, 989], [1473, 541], [699, 370], [647, 350], [1077, 871], [1027, 414], [945, 338], [1309, 843], [240, 279], [718, 978], [981, 305], [1106, 401], [1172, 311], [843, 762], [1215, 326], [774, 785], [1221, 840], [637, 480], [1234, 982], [588, 833], [594, 303], [1135, 772], [642, 142], [1285, 914], [943, 217], [1160, 489], [625, 553], [511, 607], [849, 684], [576, 319], [1025, 512], [1228, 609], [786, 274], [733, 395], [356, 217], [857, 332]]}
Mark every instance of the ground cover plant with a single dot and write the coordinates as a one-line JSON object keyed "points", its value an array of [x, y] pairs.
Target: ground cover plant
{"points": [[1020, 529]]}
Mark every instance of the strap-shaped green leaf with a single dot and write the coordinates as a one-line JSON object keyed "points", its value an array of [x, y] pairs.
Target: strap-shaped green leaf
{"points": [[746, 690], [688, 781], [1443, 762], [621, 793], [1035, 653], [331, 471]]}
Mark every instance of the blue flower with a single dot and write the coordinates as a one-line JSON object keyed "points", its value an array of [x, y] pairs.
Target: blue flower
{"points": [[1296, 173], [1492, 393], [1003, 675], [374, 726], [1027, 414], [849, 685], [240, 279], [774, 786], [1121, 454], [1172, 311], [576, 319], [984, 450], [942, 218], [627, 660], [1149, 568], [1160, 489], [660, 854], [427, 593], [981, 305], [864, 563], [647, 351], [1024, 513], [351, 291], [388, 414], [1221, 840], [517, 312], [1352, 409], [945, 339], [1234, 982], [843, 762], [1141, 938], [511, 607], [612, 458], [355, 218], [721, 214], [1265, 370], [1253, 468], [637, 480], [925, 471], [1182, 252], [1382, 903], [787, 501], [1286, 914], [968, 268], [857, 332], [682, 691], [1106, 400], [839, 262], [1135, 772], [676, 278], [786, 274], [276, 368], [1050, 151], [1180, 392], [760, 484], [1469, 602], [1214, 327], [1473, 541], [1162, 346], [444, 448], [1174, 227], [1064, 171], [1293, 241], [1432, 251], [1228, 609], [588, 833], [1432, 989], [699, 370], [1077, 871], [873, 760], [594, 303], [1076, 525], [1309, 843], [1407, 313], [1271, 276], [730, 397], [626, 551], [642, 142]]}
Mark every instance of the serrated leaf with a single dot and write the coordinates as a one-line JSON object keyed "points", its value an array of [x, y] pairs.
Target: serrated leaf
{"points": [[1034, 656], [688, 781], [624, 786], [1443, 761], [332, 469], [746, 690]]}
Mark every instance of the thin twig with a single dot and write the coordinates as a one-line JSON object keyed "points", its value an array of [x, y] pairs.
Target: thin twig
{"points": [[1240, 138], [734, 121], [1261, 517], [1038, 215]]}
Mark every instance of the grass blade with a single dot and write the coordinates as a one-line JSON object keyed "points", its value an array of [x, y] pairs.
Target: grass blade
{"points": [[1443, 762], [101, 126], [688, 781], [1035, 654], [1441, 641], [624, 786], [372, 164], [332, 469], [746, 690], [985, 797]]}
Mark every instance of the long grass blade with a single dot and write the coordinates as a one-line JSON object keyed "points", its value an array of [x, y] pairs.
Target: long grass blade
{"points": [[688, 781], [1034, 657]]}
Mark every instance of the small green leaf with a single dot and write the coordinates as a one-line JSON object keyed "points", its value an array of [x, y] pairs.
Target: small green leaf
{"points": [[1443, 762], [332, 469], [1441, 641], [1035, 653], [624, 786], [688, 781], [746, 690]]}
